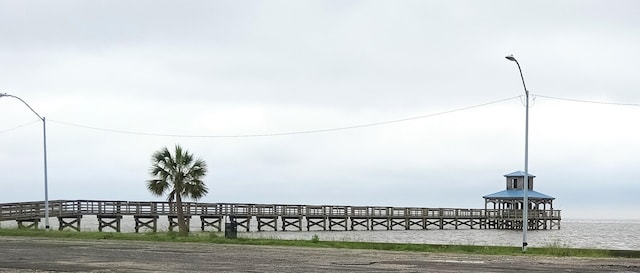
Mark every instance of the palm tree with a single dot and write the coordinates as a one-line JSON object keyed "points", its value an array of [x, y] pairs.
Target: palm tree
{"points": [[181, 176]]}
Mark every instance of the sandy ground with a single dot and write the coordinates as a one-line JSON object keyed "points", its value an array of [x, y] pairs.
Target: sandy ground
{"points": [[22, 254]]}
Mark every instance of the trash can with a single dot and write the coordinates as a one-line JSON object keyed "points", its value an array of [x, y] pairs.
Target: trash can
{"points": [[231, 230]]}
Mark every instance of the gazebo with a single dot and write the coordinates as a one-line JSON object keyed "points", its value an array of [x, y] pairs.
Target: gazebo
{"points": [[506, 212]]}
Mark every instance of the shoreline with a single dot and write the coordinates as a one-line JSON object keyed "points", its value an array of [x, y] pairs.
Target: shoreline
{"points": [[316, 242]]}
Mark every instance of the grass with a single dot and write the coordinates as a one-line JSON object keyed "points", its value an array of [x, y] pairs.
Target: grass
{"points": [[554, 249]]}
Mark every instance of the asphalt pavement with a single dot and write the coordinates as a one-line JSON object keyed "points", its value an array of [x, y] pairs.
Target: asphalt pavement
{"points": [[25, 254]]}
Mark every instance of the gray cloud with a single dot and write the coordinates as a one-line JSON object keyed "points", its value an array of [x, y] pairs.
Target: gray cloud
{"points": [[229, 68]]}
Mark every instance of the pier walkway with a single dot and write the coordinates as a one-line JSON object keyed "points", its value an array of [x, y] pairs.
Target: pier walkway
{"points": [[274, 216]]}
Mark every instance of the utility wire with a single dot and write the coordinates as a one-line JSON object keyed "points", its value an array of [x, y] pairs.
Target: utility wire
{"points": [[287, 133], [19, 126], [319, 130], [589, 101]]}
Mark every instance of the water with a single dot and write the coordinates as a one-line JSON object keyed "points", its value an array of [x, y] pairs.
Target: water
{"points": [[602, 234]]}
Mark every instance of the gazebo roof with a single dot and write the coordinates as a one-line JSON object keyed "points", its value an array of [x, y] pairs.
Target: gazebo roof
{"points": [[518, 174], [517, 194]]}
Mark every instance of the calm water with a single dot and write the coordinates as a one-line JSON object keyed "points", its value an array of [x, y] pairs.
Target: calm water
{"points": [[605, 234]]}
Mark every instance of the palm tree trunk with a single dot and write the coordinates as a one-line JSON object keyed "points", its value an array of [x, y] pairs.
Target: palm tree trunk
{"points": [[183, 230]]}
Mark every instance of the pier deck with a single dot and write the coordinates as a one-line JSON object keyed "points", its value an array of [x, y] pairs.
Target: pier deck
{"points": [[277, 216]]}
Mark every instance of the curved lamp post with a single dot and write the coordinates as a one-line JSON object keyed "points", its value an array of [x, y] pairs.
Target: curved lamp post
{"points": [[44, 134], [525, 201]]}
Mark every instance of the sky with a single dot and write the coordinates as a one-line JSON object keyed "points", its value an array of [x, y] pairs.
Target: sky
{"points": [[378, 103]]}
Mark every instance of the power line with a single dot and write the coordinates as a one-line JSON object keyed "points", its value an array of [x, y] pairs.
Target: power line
{"points": [[286, 133], [318, 130], [19, 126], [589, 101]]}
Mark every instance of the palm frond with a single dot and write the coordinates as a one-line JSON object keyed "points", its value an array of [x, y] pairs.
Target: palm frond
{"points": [[157, 186], [177, 173]]}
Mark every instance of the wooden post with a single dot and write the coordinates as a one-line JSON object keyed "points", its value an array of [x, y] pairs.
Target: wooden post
{"points": [[214, 221], [148, 221], [74, 223], [173, 221], [109, 221], [33, 222]]}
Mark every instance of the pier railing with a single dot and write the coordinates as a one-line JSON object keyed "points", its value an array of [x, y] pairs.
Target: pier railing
{"points": [[24, 210]]}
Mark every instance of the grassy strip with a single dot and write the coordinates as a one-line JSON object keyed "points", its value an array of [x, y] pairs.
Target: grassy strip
{"points": [[212, 237]]}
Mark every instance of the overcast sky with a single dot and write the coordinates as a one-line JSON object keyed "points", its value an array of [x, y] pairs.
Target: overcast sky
{"points": [[118, 80]]}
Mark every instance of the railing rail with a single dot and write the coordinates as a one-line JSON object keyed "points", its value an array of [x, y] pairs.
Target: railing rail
{"points": [[25, 210]]}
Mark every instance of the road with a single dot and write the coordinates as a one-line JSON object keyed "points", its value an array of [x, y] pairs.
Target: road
{"points": [[23, 254]]}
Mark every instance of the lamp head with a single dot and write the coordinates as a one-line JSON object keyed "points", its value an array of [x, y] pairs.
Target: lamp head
{"points": [[511, 58], [2, 94]]}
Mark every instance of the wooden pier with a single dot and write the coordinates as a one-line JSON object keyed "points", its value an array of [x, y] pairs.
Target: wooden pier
{"points": [[275, 217]]}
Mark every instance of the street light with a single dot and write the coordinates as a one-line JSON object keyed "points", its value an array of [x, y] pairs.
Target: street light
{"points": [[525, 198], [44, 134]]}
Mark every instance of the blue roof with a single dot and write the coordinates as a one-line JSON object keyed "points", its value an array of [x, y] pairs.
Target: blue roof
{"points": [[518, 174], [517, 194]]}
